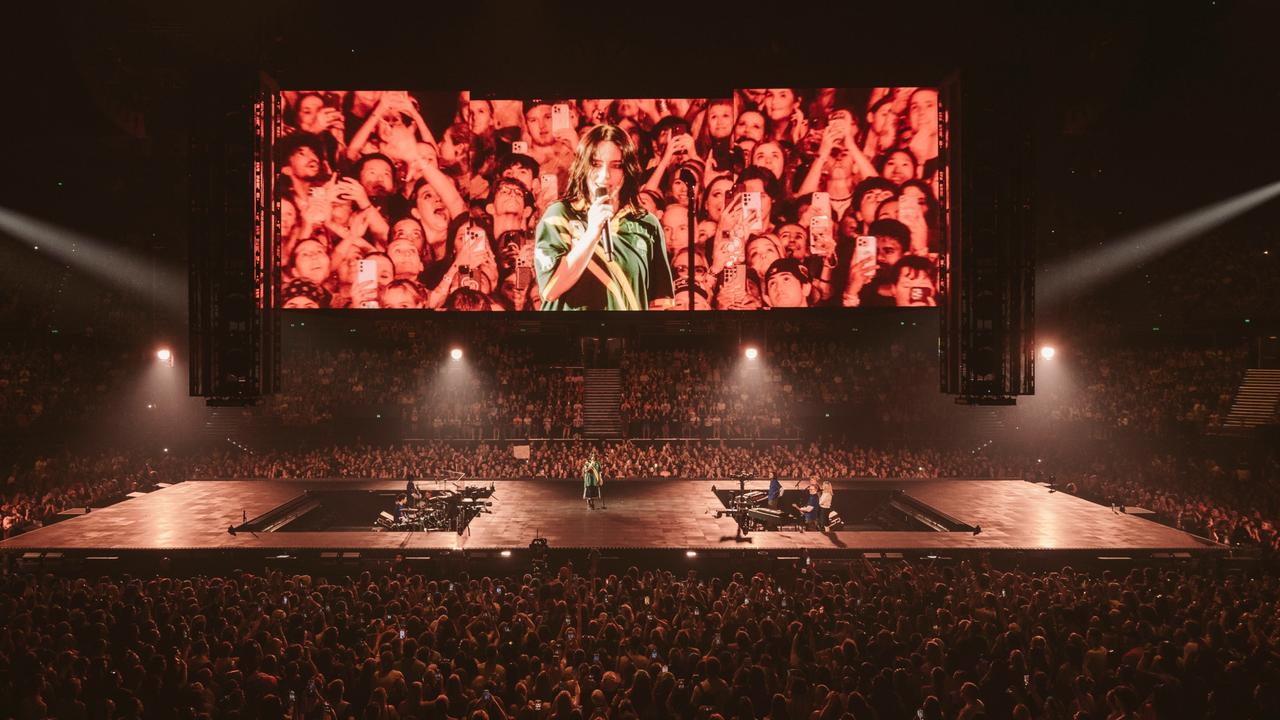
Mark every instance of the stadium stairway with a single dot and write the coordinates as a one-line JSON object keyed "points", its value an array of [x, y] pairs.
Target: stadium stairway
{"points": [[602, 390], [233, 425], [1255, 401]]}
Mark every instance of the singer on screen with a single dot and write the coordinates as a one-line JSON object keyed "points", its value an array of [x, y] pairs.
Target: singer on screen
{"points": [[597, 248]]}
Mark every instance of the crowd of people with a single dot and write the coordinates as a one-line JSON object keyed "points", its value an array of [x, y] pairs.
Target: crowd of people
{"points": [[1156, 391], [715, 394], [712, 393], [54, 384], [501, 393], [1233, 505], [398, 199], [858, 641], [35, 495]]}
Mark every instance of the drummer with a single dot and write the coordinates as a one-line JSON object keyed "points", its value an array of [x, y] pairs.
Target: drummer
{"points": [[398, 510]]}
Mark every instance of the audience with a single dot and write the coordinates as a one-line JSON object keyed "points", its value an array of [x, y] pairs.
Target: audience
{"points": [[846, 640]]}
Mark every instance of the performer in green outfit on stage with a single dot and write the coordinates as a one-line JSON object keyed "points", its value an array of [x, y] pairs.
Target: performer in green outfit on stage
{"points": [[592, 482], [576, 266]]}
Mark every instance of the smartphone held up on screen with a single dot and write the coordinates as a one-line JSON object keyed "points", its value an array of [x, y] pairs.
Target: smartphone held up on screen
{"points": [[560, 118], [475, 241], [520, 147], [549, 183], [735, 278], [821, 204], [367, 272], [751, 211], [466, 279], [524, 272], [822, 240], [864, 247]]}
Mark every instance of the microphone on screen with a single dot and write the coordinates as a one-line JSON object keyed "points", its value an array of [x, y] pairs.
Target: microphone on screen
{"points": [[600, 193]]}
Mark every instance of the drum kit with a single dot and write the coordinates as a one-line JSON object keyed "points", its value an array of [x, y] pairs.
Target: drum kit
{"points": [[441, 509], [428, 511]]}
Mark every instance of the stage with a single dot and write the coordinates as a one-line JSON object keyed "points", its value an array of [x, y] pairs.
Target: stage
{"points": [[659, 516]]}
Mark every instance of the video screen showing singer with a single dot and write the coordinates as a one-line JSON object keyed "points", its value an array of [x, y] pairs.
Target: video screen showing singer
{"points": [[597, 248]]}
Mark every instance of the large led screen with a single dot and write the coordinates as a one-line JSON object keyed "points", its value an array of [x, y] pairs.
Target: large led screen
{"points": [[804, 197]]}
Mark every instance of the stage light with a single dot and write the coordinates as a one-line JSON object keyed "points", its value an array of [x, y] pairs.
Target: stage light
{"points": [[456, 353], [1080, 272], [506, 553], [752, 353], [137, 272], [164, 355], [691, 553], [1047, 352]]}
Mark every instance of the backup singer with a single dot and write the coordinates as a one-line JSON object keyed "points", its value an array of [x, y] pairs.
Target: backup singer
{"points": [[592, 482], [570, 256]]}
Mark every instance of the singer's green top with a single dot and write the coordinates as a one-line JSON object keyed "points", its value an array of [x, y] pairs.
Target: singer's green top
{"points": [[638, 274], [591, 474]]}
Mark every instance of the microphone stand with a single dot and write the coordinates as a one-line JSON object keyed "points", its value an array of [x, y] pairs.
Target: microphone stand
{"points": [[691, 182]]}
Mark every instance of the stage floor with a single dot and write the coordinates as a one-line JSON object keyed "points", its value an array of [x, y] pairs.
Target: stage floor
{"points": [[640, 515]]}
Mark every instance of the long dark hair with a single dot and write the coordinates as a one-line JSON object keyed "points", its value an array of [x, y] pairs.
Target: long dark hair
{"points": [[578, 193]]}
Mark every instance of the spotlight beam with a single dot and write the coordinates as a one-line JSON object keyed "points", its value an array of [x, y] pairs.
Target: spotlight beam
{"points": [[119, 267], [1122, 255]]}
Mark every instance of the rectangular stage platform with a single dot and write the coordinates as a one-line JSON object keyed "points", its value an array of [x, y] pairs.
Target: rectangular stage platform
{"points": [[658, 515]]}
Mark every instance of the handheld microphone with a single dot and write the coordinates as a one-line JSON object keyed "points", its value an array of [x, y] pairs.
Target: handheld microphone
{"points": [[600, 193]]}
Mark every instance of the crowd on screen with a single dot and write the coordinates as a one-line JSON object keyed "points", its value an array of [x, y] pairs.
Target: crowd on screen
{"points": [[859, 641], [440, 194]]}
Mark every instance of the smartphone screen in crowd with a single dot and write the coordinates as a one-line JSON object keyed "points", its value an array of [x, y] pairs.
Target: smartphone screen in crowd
{"points": [[821, 238], [549, 184], [560, 118], [735, 278], [366, 272], [475, 240], [864, 247], [821, 204], [924, 294], [751, 211]]}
